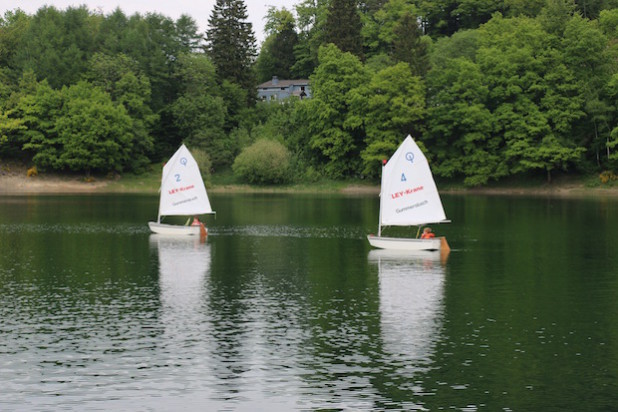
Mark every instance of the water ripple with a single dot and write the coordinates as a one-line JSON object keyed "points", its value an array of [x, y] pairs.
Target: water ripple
{"points": [[82, 228], [133, 229], [290, 231]]}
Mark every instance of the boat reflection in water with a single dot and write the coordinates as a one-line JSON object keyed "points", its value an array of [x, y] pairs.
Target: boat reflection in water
{"points": [[184, 263], [411, 305]]}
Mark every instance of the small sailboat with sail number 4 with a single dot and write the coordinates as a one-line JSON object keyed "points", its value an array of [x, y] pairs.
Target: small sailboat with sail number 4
{"points": [[182, 194], [409, 197]]}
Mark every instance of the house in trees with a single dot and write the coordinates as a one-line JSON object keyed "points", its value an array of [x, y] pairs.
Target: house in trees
{"points": [[279, 89]]}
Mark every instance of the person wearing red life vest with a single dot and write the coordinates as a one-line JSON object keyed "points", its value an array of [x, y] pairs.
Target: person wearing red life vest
{"points": [[427, 233]]}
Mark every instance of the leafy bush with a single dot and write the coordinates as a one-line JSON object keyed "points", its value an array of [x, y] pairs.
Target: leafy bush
{"points": [[265, 161]]}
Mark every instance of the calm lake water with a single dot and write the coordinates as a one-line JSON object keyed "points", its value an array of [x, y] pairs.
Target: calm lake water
{"points": [[286, 308]]}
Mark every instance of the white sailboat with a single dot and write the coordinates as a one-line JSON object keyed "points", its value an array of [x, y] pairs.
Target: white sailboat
{"points": [[182, 194], [409, 197]]}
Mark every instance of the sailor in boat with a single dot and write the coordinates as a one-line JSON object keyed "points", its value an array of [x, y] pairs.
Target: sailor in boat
{"points": [[427, 233], [196, 222]]}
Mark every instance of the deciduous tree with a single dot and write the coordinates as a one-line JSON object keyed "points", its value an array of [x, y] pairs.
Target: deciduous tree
{"points": [[389, 107], [336, 140], [78, 128], [200, 113]]}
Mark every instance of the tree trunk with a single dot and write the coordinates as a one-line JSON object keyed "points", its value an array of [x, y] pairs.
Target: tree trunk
{"points": [[548, 176]]}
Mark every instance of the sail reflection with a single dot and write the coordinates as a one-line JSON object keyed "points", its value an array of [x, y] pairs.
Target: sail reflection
{"points": [[184, 263], [411, 295]]}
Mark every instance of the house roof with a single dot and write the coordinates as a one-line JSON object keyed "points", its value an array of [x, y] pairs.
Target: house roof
{"points": [[278, 83]]}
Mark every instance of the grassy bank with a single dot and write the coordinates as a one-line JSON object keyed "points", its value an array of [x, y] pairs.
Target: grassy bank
{"points": [[226, 182], [14, 180]]}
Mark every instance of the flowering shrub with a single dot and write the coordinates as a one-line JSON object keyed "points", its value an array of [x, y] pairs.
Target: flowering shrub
{"points": [[607, 176]]}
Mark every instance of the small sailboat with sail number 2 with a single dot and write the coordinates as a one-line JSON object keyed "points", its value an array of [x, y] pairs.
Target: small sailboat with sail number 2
{"points": [[182, 194]]}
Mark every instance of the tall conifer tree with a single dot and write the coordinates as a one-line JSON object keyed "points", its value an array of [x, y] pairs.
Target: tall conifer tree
{"points": [[283, 51], [277, 53], [231, 43], [408, 46], [343, 26]]}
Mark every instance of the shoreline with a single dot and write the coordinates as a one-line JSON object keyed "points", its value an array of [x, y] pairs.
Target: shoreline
{"points": [[16, 185]]}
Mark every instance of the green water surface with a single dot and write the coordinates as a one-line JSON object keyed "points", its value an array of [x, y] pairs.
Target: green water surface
{"points": [[286, 307]]}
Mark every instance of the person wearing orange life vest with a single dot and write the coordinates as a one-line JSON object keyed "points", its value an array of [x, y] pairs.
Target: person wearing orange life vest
{"points": [[427, 233], [203, 231]]}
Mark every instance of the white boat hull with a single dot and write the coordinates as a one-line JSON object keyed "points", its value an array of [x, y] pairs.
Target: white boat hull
{"points": [[175, 230], [401, 243]]}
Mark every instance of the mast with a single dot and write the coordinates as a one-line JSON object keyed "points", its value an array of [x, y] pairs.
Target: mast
{"points": [[380, 218], [381, 187]]}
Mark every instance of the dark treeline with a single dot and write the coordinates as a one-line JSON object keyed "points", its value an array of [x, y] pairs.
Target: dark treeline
{"points": [[490, 89]]}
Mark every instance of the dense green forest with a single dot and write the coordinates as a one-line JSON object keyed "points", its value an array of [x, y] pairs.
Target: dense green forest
{"points": [[490, 88]]}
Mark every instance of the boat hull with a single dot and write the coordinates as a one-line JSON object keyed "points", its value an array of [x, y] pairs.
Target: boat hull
{"points": [[174, 230], [400, 243]]}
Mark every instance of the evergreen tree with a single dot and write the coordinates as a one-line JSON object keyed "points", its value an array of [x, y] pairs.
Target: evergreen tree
{"points": [[277, 54], [343, 26], [265, 63], [283, 51], [187, 34], [231, 43], [311, 20], [408, 45]]}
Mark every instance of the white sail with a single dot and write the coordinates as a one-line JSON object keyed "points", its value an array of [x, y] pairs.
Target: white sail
{"points": [[182, 188], [409, 196]]}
